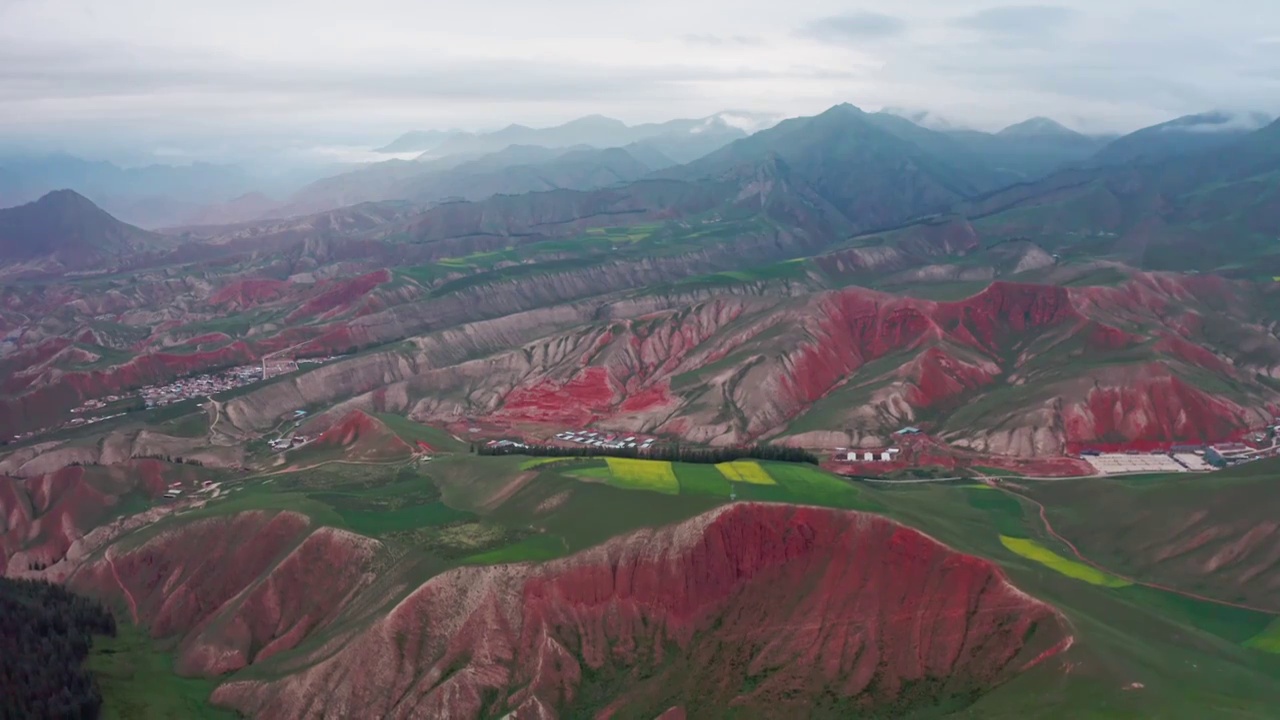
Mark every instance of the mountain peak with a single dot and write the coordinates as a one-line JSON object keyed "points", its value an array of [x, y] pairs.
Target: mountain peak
{"points": [[1037, 126], [597, 121], [67, 227], [843, 109], [66, 198]]}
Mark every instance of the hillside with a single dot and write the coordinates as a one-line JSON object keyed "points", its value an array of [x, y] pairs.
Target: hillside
{"points": [[871, 175], [1172, 214], [1016, 370]]}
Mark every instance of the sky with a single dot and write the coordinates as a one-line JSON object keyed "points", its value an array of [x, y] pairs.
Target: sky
{"points": [[183, 79]]}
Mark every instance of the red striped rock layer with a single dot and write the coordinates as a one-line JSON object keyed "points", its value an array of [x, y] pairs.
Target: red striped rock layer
{"points": [[233, 590], [773, 610]]}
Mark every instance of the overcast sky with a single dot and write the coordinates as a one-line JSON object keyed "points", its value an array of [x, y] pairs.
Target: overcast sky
{"points": [[175, 72]]}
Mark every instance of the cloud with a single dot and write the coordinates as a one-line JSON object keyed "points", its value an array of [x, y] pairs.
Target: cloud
{"points": [[719, 40], [853, 27], [262, 72], [1012, 20]]}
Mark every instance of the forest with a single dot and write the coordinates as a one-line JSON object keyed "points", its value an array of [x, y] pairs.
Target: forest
{"points": [[45, 634]]}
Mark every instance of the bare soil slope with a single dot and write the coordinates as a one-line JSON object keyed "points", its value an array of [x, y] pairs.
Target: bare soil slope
{"points": [[701, 616]]}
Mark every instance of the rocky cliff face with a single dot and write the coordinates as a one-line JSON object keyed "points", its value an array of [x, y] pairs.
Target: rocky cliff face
{"points": [[694, 618]]}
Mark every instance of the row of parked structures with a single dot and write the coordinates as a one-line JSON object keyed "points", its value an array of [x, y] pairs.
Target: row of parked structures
{"points": [[605, 440]]}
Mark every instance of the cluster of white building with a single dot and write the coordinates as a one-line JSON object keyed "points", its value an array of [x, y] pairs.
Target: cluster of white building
{"points": [[285, 443], [863, 455], [606, 440]]}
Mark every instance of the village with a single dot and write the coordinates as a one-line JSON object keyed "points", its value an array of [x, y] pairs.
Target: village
{"points": [[199, 386], [204, 385], [1168, 459]]}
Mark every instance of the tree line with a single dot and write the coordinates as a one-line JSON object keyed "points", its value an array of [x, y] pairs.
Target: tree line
{"points": [[172, 460], [673, 452], [45, 635]]}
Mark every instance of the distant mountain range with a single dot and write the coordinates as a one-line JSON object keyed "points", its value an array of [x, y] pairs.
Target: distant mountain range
{"points": [[513, 170], [1188, 134], [151, 196], [681, 140], [883, 159], [1197, 194]]}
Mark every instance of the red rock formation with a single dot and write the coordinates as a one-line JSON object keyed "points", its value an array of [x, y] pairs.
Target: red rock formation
{"points": [[580, 401], [233, 590], [247, 293], [45, 514], [365, 438], [1152, 405], [940, 379], [338, 296], [746, 607]]}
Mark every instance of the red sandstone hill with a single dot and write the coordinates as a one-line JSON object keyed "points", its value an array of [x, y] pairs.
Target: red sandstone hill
{"points": [[1017, 369], [42, 517], [233, 590], [702, 616], [365, 438]]}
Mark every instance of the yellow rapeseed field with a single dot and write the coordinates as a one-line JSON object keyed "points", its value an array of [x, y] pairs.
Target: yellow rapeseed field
{"points": [[1032, 550], [745, 471], [635, 474]]}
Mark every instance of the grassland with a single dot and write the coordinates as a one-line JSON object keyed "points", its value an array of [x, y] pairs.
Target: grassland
{"points": [[539, 462], [696, 479], [138, 681], [1268, 640], [412, 432], [533, 549]]}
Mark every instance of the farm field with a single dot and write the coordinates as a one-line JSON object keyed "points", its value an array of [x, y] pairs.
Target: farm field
{"points": [[634, 474], [1032, 550], [745, 471], [744, 480]]}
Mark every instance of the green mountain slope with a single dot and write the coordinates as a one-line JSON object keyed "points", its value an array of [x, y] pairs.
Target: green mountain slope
{"points": [[870, 174]]}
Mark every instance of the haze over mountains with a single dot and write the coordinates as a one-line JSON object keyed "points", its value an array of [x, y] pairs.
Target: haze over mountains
{"points": [[456, 164]]}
